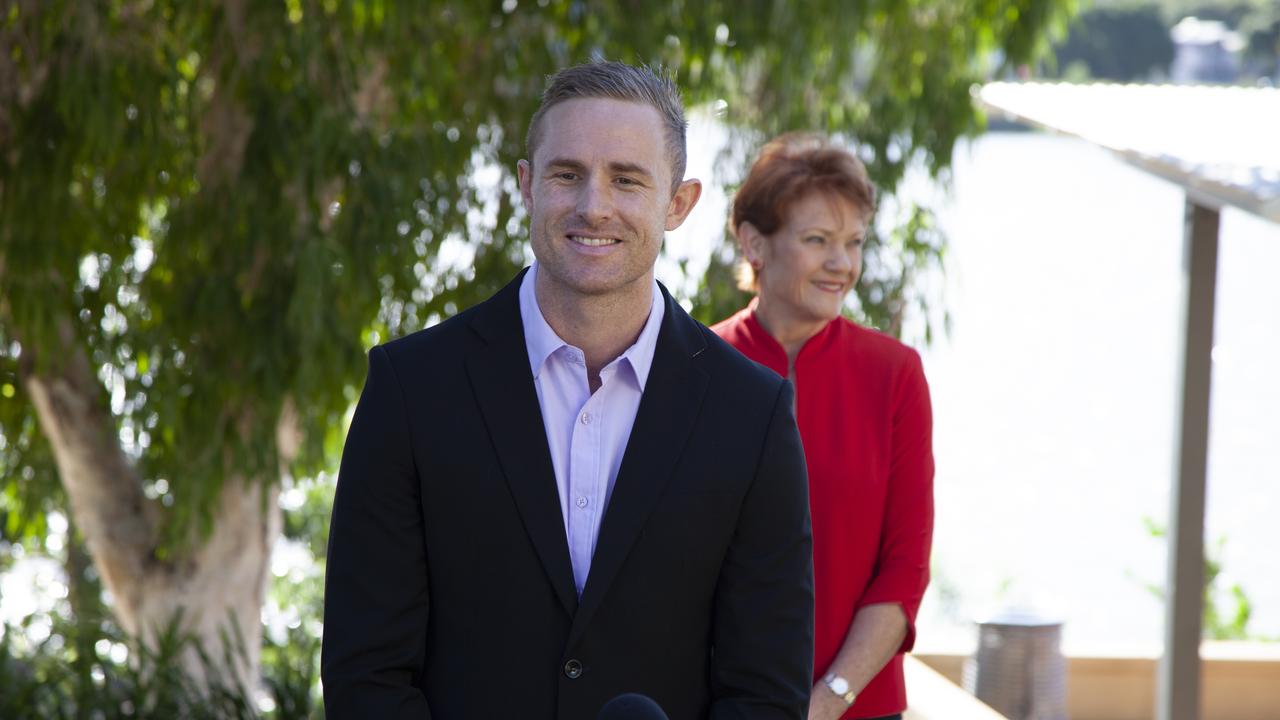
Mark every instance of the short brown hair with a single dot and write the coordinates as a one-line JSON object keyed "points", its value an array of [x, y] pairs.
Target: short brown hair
{"points": [[647, 85], [790, 167]]}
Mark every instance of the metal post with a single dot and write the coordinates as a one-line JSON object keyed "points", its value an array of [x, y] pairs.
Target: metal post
{"points": [[1178, 684]]}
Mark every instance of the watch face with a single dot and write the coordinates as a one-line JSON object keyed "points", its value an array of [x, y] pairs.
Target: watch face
{"points": [[839, 685]]}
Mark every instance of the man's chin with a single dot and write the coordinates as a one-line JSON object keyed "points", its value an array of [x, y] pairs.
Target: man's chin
{"points": [[599, 285], [597, 288]]}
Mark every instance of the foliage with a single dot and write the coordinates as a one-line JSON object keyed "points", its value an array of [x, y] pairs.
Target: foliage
{"points": [[82, 669], [117, 678], [1219, 622], [1126, 44], [1099, 43], [308, 504], [229, 202], [295, 606], [1230, 12], [291, 674], [71, 660], [1262, 32]]}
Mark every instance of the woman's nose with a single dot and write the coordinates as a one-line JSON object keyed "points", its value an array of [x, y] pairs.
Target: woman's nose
{"points": [[839, 259]]}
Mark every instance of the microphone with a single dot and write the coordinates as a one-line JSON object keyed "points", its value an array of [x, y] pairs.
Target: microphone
{"points": [[632, 706]]}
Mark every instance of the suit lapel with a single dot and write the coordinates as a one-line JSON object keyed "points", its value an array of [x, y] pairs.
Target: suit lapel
{"points": [[672, 396], [498, 369]]}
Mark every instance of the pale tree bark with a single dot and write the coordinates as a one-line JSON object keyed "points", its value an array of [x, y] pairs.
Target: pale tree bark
{"points": [[223, 576], [220, 576]]}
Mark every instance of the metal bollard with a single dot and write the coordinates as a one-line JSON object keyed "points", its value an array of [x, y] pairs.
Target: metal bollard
{"points": [[1018, 668]]}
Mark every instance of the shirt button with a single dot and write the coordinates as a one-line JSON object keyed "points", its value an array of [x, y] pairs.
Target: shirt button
{"points": [[586, 418], [582, 502], [573, 669]]}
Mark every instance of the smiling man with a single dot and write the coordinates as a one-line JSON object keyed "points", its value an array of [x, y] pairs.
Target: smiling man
{"points": [[573, 490]]}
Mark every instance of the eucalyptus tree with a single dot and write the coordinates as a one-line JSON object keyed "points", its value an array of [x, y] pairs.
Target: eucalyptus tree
{"points": [[210, 209]]}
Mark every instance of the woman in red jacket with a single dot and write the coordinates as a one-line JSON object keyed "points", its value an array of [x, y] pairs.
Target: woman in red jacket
{"points": [[863, 408]]}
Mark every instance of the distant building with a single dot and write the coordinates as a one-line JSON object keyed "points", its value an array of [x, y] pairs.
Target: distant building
{"points": [[1205, 51]]}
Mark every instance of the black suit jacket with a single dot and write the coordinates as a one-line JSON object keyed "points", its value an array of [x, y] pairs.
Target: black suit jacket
{"points": [[449, 591]]}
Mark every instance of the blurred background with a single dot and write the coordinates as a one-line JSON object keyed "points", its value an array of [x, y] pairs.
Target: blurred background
{"points": [[211, 210]]}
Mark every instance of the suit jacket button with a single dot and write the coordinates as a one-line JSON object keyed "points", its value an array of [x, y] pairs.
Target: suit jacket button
{"points": [[573, 669]]}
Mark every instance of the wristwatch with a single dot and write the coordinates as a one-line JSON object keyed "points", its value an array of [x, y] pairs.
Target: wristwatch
{"points": [[840, 687]]}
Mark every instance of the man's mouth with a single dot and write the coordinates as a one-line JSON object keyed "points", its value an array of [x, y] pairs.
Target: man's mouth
{"points": [[593, 241]]}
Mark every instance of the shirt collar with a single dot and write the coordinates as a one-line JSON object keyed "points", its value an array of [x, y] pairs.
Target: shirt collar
{"points": [[640, 355], [541, 341]]}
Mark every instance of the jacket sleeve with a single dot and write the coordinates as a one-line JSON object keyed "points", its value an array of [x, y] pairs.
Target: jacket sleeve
{"points": [[902, 560], [375, 604], [762, 659]]}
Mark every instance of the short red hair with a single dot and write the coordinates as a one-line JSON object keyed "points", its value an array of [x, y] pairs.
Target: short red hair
{"points": [[789, 168]]}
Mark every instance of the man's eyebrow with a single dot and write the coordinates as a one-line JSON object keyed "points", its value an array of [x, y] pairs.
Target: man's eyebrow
{"points": [[627, 168], [564, 163], [630, 169]]}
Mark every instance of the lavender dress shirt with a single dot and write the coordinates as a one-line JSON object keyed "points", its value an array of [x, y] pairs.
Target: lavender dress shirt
{"points": [[586, 433]]}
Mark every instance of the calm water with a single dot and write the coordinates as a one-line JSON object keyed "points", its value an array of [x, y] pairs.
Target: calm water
{"points": [[1054, 392], [1055, 396]]}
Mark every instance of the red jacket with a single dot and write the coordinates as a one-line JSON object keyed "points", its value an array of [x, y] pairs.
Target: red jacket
{"points": [[862, 405]]}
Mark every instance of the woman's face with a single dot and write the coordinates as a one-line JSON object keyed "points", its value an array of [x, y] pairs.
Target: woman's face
{"points": [[805, 269]]}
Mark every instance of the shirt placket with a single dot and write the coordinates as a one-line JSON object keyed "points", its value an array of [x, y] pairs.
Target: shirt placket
{"points": [[585, 449]]}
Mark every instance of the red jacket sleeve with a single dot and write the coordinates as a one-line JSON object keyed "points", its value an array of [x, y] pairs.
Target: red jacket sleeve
{"points": [[902, 561]]}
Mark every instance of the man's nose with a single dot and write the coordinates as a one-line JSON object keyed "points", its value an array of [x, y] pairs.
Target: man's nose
{"points": [[594, 202]]}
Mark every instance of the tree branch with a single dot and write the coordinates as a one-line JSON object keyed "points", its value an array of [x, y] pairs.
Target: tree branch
{"points": [[107, 503], [226, 123]]}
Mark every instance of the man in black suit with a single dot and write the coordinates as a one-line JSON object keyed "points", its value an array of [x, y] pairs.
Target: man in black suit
{"points": [[573, 490]]}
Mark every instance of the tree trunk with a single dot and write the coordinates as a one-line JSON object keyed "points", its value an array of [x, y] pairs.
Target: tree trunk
{"points": [[223, 576], [220, 587]]}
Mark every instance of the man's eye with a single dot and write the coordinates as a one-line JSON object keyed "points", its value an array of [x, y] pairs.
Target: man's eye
{"points": [[815, 239], [856, 242], [567, 176]]}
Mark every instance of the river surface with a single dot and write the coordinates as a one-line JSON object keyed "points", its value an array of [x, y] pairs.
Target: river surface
{"points": [[1055, 390], [1055, 396]]}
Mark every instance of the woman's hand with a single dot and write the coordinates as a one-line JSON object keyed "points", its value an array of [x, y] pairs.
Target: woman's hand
{"points": [[824, 704], [874, 637]]}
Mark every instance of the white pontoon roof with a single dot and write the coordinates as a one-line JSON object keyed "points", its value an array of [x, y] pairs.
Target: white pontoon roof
{"points": [[1220, 143]]}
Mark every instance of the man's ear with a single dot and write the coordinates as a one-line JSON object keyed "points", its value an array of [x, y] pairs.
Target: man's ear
{"points": [[752, 242], [682, 202], [524, 172]]}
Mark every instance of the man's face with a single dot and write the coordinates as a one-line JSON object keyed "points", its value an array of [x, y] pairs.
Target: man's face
{"points": [[598, 194]]}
